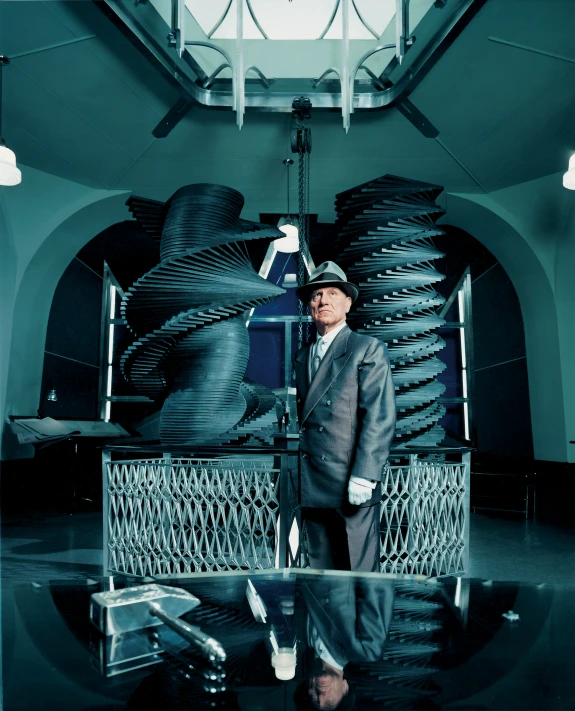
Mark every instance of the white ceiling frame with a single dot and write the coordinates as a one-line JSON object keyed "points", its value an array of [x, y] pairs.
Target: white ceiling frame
{"points": [[409, 58]]}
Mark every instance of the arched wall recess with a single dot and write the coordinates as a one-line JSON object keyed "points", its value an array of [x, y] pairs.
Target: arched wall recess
{"points": [[34, 297], [489, 223]]}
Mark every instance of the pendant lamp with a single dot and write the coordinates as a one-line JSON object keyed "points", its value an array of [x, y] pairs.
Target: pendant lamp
{"points": [[569, 176], [9, 173], [288, 224]]}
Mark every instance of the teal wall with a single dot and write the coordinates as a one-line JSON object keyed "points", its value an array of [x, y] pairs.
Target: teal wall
{"points": [[530, 229], [48, 220], [7, 292]]}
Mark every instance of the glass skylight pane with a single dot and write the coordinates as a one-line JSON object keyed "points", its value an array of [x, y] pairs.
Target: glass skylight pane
{"points": [[282, 20]]}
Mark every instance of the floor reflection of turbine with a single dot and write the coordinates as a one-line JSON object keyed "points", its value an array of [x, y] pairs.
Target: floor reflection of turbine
{"points": [[386, 228], [191, 344]]}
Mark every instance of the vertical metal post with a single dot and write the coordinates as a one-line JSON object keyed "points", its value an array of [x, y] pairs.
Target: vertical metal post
{"points": [[295, 512], [466, 463], [285, 517], [412, 509], [106, 462], [178, 23], [239, 64], [104, 333], [468, 335], [401, 28], [346, 89], [288, 367]]}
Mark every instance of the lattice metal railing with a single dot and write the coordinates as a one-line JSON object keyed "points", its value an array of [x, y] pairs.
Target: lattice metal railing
{"points": [[186, 515], [168, 515], [425, 518]]}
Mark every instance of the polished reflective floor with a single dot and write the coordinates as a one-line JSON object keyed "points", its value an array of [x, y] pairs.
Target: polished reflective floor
{"points": [[444, 647], [286, 641]]}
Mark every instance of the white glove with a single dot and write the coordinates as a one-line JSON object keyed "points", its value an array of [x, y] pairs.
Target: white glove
{"points": [[359, 490]]}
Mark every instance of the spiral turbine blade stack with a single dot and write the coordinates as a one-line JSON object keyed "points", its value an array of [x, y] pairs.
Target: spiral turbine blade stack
{"points": [[191, 345], [385, 241]]}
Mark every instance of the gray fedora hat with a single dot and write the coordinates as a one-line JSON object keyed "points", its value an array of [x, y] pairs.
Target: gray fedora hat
{"points": [[327, 274]]}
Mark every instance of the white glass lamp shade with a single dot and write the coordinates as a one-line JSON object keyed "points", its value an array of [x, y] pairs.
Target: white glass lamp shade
{"points": [[289, 243], [569, 176], [284, 662], [290, 281], [9, 173]]}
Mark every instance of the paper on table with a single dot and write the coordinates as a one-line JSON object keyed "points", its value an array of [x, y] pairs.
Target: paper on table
{"points": [[88, 428], [32, 430], [47, 427], [25, 437]]}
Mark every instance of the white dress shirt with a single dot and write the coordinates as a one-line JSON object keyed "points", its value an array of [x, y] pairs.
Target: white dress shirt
{"points": [[328, 338], [319, 348], [315, 641]]}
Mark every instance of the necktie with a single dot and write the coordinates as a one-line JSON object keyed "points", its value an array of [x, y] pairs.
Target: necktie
{"points": [[319, 353]]}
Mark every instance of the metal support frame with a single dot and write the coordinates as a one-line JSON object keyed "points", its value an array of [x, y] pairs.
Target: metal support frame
{"points": [[106, 459], [469, 353], [284, 518], [467, 510], [465, 326], [106, 321], [108, 281], [288, 368], [143, 22]]}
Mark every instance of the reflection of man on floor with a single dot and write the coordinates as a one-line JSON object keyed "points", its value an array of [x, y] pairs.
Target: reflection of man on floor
{"points": [[348, 621], [346, 410]]}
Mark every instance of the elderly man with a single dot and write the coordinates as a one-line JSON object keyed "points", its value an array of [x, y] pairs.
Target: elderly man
{"points": [[346, 410]]}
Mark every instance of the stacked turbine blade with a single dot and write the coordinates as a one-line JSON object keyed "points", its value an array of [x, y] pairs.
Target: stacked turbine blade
{"points": [[386, 229], [191, 345]]}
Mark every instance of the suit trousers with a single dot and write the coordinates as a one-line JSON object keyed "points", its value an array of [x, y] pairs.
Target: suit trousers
{"points": [[343, 539]]}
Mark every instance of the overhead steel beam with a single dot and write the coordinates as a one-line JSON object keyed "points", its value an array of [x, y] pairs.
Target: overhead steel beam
{"points": [[417, 119], [178, 111]]}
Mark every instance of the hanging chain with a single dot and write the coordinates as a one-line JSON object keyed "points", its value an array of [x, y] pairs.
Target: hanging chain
{"points": [[304, 242], [301, 226], [301, 144]]}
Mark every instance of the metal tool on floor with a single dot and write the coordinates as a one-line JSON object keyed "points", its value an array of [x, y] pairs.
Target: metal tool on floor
{"points": [[117, 654], [117, 611]]}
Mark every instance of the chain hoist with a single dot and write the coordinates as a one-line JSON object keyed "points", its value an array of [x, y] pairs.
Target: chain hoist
{"points": [[301, 144]]}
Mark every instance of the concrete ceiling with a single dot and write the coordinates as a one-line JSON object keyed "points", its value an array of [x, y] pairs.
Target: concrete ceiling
{"points": [[85, 111]]}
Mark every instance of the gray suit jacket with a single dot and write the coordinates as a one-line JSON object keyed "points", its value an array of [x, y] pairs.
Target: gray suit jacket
{"points": [[352, 616], [346, 416]]}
